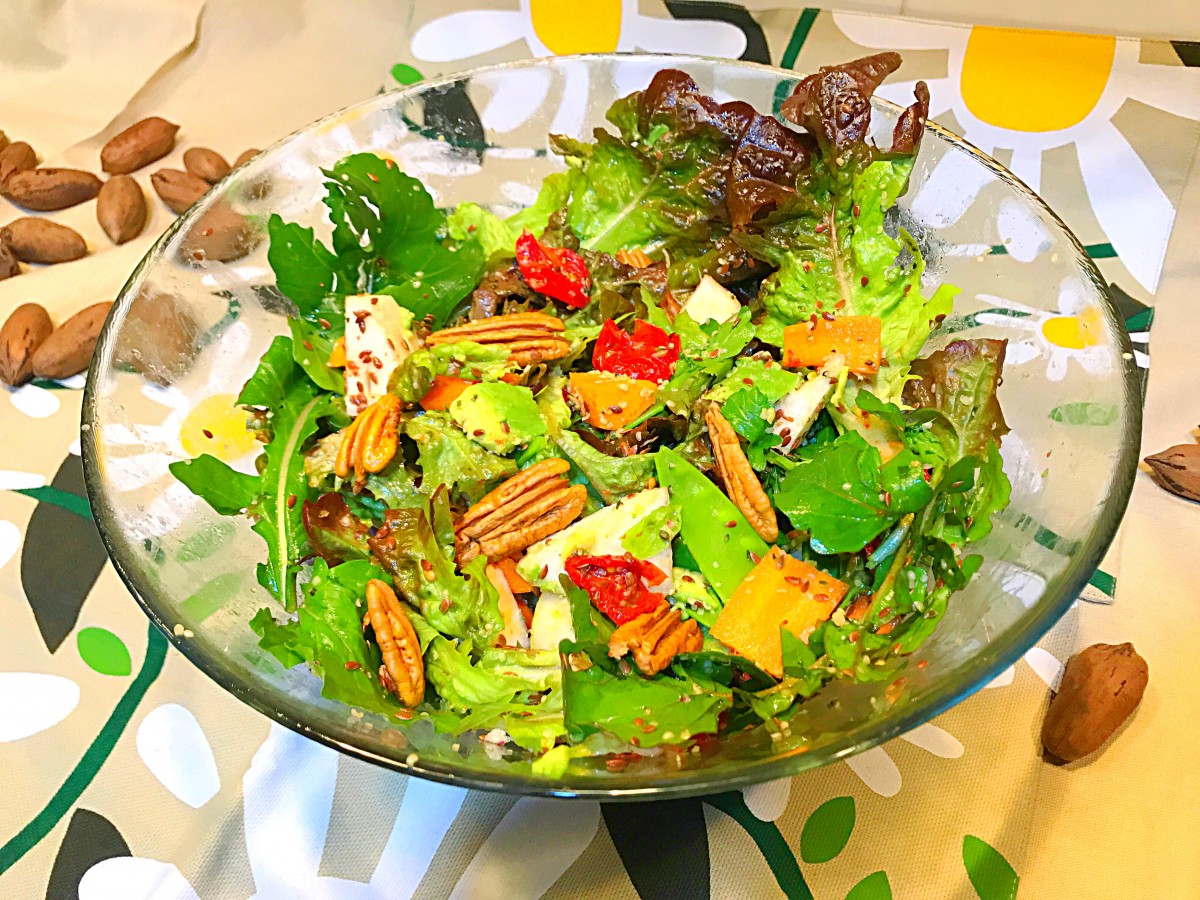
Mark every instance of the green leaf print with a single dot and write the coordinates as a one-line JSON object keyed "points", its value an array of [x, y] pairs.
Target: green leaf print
{"points": [[1084, 413], [874, 887], [827, 830], [991, 875], [103, 651]]}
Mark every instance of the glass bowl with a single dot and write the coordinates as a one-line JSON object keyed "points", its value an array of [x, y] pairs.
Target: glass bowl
{"points": [[189, 327]]}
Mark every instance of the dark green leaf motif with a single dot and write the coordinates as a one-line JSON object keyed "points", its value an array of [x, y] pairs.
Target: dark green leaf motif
{"points": [[61, 556], [90, 839]]}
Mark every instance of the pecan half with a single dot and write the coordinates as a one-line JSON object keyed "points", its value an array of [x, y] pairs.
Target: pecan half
{"points": [[403, 669], [636, 258], [655, 638], [741, 484], [533, 504], [530, 337], [370, 441]]}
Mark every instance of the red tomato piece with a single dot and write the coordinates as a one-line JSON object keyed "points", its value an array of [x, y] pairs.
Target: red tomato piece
{"points": [[650, 353], [618, 586], [557, 272]]}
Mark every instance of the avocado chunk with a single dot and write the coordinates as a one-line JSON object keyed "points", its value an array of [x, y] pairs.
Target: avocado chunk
{"points": [[498, 416]]}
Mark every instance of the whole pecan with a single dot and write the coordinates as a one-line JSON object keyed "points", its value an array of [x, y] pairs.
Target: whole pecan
{"points": [[370, 441], [741, 484], [529, 337], [403, 669], [655, 638], [534, 504]]}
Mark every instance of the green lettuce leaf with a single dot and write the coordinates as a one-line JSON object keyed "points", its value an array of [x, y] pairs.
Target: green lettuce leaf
{"points": [[423, 571], [326, 633], [462, 359], [632, 196], [771, 379], [449, 457], [496, 235], [611, 477]]}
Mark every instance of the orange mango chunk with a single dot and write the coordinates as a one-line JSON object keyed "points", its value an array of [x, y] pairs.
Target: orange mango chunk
{"points": [[780, 591], [444, 391], [857, 339], [611, 402]]}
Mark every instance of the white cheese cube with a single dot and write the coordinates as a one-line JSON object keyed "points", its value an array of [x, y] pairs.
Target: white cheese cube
{"points": [[515, 633], [796, 412], [551, 622], [711, 302], [378, 338]]}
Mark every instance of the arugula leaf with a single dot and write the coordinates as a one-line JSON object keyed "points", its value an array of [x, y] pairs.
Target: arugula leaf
{"points": [[595, 699], [653, 533], [387, 221], [744, 411], [449, 457], [224, 489], [311, 349], [326, 632], [273, 378], [305, 271], [293, 407], [285, 488], [465, 606], [844, 495], [611, 477]]}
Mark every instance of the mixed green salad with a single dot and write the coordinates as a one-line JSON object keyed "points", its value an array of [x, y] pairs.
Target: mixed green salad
{"points": [[653, 460]]}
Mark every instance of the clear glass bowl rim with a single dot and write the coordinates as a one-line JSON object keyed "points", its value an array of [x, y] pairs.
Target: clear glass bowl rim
{"points": [[1003, 651]]}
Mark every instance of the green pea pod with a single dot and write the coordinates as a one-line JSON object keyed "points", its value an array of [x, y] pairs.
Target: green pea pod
{"points": [[713, 529]]}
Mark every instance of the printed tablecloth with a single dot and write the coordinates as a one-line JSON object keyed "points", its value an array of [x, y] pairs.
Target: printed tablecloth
{"points": [[127, 774]]}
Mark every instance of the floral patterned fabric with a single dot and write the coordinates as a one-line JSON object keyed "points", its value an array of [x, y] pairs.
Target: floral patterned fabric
{"points": [[130, 775]]}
